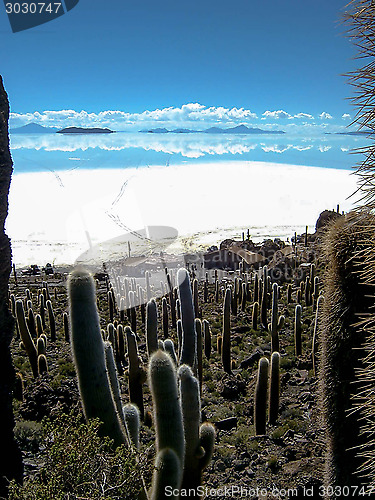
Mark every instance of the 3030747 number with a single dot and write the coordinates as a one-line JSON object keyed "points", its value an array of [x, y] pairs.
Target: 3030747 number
{"points": [[32, 8]]}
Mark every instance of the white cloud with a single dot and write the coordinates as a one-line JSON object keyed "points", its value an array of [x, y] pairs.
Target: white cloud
{"points": [[325, 116], [276, 114], [346, 116], [304, 115]]}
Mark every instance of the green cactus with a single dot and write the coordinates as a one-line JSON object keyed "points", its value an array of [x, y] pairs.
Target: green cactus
{"points": [[198, 329], [113, 380], [26, 338], [137, 374], [225, 348], [256, 288], [298, 330], [273, 408], [30, 320], [169, 348], [254, 316], [132, 422], [88, 355], [167, 474], [207, 338], [151, 327], [198, 451], [344, 374], [289, 293], [52, 323], [264, 301], [167, 408], [318, 312], [66, 327], [260, 399], [196, 298], [164, 308], [189, 337], [275, 319], [41, 346], [42, 364]]}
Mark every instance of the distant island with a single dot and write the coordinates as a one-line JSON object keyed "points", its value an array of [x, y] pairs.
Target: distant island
{"points": [[33, 128], [81, 130], [359, 132], [240, 129]]}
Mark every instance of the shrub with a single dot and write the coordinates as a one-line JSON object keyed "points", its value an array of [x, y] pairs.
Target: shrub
{"points": [[80, 464]]}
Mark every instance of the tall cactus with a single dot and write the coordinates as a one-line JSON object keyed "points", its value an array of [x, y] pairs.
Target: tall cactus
{"points": [[189, 337], [260, 399], [151, 327], [26, 338], [225, 348], [137, 374], [199, 442], [298, 330], [274, 388], [207, 338], [88, 355], [167, 412]]}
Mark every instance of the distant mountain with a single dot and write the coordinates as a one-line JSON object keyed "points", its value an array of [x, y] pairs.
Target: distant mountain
{"points": [[240, 129], [81, 130], [32, 128]]}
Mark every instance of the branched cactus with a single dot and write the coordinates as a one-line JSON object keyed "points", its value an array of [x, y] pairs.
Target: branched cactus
{"points": [[198, 442], [167, 414], [88, 355], [26, 338]]}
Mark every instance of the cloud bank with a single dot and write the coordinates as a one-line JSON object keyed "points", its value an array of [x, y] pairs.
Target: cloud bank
{"points": [[192, 115]]}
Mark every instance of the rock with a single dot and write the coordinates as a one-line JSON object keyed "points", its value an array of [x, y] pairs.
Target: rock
{"points": [[325, 217], [220, 466], [252, 359], [231, 388], [227, 423]]}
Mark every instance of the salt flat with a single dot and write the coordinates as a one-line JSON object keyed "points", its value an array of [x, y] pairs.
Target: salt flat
{"points": [[56, 216]]}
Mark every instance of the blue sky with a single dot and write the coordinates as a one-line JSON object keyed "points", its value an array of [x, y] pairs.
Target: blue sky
{"points": [[269, 63]]}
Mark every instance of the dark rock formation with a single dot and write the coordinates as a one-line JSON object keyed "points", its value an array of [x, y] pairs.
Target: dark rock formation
{"points": [[81, 130], [11, 461]]}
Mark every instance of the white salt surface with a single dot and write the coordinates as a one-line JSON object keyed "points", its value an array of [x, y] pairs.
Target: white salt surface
{"points": [[55, 217]]}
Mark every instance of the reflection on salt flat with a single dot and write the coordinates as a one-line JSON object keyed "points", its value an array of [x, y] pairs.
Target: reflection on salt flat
{"points": [[187, 145]]}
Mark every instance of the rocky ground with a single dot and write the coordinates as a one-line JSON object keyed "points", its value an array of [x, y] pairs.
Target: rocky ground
{"points": [[285, 462]]}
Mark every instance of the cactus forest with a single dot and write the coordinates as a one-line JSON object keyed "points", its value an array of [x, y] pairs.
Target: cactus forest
{"points": [[251, 382]]}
